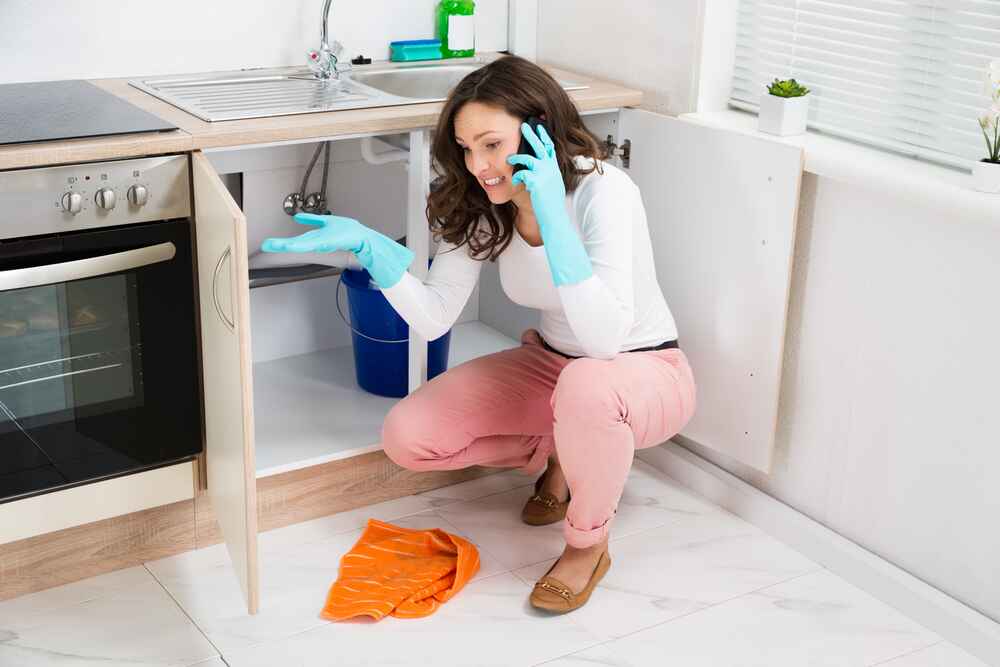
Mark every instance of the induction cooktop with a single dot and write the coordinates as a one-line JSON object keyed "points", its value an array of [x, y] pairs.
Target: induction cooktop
{"points": [[72, 109]]}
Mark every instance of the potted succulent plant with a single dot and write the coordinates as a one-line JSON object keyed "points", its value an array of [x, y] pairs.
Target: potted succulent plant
{"points": [[986, 172], [784, 108]]}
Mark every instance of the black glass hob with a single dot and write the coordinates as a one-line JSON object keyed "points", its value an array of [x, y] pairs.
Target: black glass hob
{"points": [[72, 109]]}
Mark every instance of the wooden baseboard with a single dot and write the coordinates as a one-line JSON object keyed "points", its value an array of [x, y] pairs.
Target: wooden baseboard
{"points": [[40, 562], [72, 554]]}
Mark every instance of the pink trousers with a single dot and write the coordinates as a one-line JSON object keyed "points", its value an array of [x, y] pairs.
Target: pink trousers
{"points": [[511, 408]]}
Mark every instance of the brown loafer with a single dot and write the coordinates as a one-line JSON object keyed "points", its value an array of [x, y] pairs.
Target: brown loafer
{"points": [[551, 594], [543, 508]]}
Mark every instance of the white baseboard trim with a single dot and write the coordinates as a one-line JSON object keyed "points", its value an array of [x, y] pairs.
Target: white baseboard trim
{"points": [[956, 622]]}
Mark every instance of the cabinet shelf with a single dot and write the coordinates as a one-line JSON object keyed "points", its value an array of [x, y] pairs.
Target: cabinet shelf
{"points": [[265, 277], [309, 409]]}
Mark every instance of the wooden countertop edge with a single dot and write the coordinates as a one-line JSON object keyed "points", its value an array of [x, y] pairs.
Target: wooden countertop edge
{"points": [[194, 134]]}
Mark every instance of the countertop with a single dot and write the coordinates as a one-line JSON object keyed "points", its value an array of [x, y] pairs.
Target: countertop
{"points": [[194, 133]]}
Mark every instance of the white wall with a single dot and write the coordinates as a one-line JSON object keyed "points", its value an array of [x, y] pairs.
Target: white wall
{"points": [[646, 44], [888, 420], [69, 39]]}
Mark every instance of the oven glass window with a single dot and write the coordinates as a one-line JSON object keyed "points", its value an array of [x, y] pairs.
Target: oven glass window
{"points": [[69, 347], [98, 375]]}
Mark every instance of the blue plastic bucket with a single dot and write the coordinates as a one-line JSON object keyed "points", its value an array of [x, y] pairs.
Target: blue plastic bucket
{"points": [[380, 339]]}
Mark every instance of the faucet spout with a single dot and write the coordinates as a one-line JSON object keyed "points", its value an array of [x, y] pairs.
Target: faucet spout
{"points": [[324, 43]]}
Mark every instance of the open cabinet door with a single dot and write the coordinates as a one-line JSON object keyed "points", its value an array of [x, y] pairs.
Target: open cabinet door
{"points": [[722, 208], [224, 289]]}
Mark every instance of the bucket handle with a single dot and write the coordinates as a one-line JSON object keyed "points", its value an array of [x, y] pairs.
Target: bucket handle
{"points": [[340, 279]]}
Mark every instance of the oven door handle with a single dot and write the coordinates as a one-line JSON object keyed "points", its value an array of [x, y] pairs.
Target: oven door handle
{"points": [[91, 267], [215, 290]]}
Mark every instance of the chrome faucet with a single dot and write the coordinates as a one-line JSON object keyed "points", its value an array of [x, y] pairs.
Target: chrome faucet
{"points": [[324, 62]]}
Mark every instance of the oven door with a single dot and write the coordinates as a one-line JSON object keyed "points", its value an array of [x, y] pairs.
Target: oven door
{"points": [[98, 365]]}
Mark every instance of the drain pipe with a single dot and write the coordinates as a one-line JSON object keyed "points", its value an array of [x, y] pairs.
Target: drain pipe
{"points": [[371, 157]]}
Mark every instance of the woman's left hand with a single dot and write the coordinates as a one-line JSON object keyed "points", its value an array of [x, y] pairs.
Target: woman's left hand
{"points": [[543, 179]]}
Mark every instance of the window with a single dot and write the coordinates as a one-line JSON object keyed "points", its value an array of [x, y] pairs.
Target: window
{"points": [[906, 75]]}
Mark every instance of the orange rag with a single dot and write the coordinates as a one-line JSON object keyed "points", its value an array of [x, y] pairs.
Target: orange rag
{"points": [[400, 571]]}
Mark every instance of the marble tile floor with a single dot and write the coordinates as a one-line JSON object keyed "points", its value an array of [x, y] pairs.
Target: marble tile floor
{"points": [[690, 585]]}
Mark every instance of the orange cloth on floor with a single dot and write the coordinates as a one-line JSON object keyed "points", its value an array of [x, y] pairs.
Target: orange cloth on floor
{"points": [[400, 571]]}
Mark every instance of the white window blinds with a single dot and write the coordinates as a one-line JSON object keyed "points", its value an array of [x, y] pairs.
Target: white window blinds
{"points": [[907, 75]]}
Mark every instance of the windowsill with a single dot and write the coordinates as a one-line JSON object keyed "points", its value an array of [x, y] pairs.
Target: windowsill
{"points": [[843, 160]]}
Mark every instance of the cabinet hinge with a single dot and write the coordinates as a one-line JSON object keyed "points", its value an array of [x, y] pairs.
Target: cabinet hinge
{"points": [[614, 150]]}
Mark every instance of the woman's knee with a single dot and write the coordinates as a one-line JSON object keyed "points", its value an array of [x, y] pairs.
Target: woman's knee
{"points": [[404, 434], [409, 434], [585, 391]]}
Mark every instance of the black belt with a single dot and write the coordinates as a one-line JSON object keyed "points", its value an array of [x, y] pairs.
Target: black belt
{"points": [[661, 346]]}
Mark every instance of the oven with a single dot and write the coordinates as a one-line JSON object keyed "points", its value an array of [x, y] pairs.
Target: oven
{"points": [[98, 335]]}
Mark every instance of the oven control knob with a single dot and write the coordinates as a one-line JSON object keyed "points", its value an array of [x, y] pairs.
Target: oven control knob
{"points": [[105, 198], [72, 202], [137, 195]]}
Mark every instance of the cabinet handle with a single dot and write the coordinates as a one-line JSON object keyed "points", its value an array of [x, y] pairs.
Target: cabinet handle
{"points": [[78, 269], [215, 290]]}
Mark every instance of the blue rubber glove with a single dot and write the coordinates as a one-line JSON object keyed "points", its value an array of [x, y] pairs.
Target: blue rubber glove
{"points": [[564, 250], [383, 258]]}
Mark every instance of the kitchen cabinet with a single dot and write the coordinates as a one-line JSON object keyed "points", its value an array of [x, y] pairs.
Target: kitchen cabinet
{"points": [[220, 230], [721, 208]]}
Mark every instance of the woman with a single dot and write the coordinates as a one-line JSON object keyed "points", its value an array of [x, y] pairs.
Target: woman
{"points": [[603, 377]]}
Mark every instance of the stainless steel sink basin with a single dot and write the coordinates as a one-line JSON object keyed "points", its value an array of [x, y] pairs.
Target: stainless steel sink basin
{"points": [[262, 93], [425, 83]]}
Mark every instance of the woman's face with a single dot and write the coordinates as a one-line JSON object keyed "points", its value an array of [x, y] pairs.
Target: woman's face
{"points": [[488, 135]]}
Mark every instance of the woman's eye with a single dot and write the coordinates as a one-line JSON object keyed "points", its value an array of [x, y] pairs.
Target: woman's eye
{"points": [[493, 145]]}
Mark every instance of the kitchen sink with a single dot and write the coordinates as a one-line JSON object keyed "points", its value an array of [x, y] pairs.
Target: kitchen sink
{"points": [[266, 92], [423, 83]]}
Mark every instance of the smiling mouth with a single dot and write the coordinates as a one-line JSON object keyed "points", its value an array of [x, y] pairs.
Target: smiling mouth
{"points": [[492, 182]]}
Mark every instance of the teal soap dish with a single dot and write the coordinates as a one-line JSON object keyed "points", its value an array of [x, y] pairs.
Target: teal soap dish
{"points": [[415, 49]]}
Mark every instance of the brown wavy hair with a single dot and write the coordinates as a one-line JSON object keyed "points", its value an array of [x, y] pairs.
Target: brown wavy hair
{"points": [[457, 201]]}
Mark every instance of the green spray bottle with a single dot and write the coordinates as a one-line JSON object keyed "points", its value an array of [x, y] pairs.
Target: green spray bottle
{"points": [[457, 28]]}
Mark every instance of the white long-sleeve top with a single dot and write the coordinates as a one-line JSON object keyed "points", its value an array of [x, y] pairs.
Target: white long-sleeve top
{"points": [[619, 308]]}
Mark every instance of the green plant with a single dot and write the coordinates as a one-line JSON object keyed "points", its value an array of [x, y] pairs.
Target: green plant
{"points": [[787, 88]]}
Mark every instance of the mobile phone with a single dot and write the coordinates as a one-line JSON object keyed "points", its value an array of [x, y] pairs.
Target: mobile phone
{"points": [[525, 148]]}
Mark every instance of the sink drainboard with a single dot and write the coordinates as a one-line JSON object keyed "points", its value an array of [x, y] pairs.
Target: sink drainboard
{"points": [[232, 99]]}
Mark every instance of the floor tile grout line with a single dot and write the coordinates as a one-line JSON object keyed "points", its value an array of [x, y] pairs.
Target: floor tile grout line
{"points": [[321, 623], [675, 618], [903, 655], [184, 611]]}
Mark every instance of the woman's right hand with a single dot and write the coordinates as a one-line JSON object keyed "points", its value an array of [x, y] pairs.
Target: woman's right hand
{"points": [[384, 259], [334, 233]]}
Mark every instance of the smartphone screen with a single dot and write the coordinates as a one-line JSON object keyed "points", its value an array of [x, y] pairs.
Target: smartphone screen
{"points": [[525, 148]]}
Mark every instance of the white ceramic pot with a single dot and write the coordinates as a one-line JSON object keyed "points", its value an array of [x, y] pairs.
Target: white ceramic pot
{"points": [[783, 116], [986, 176]]}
